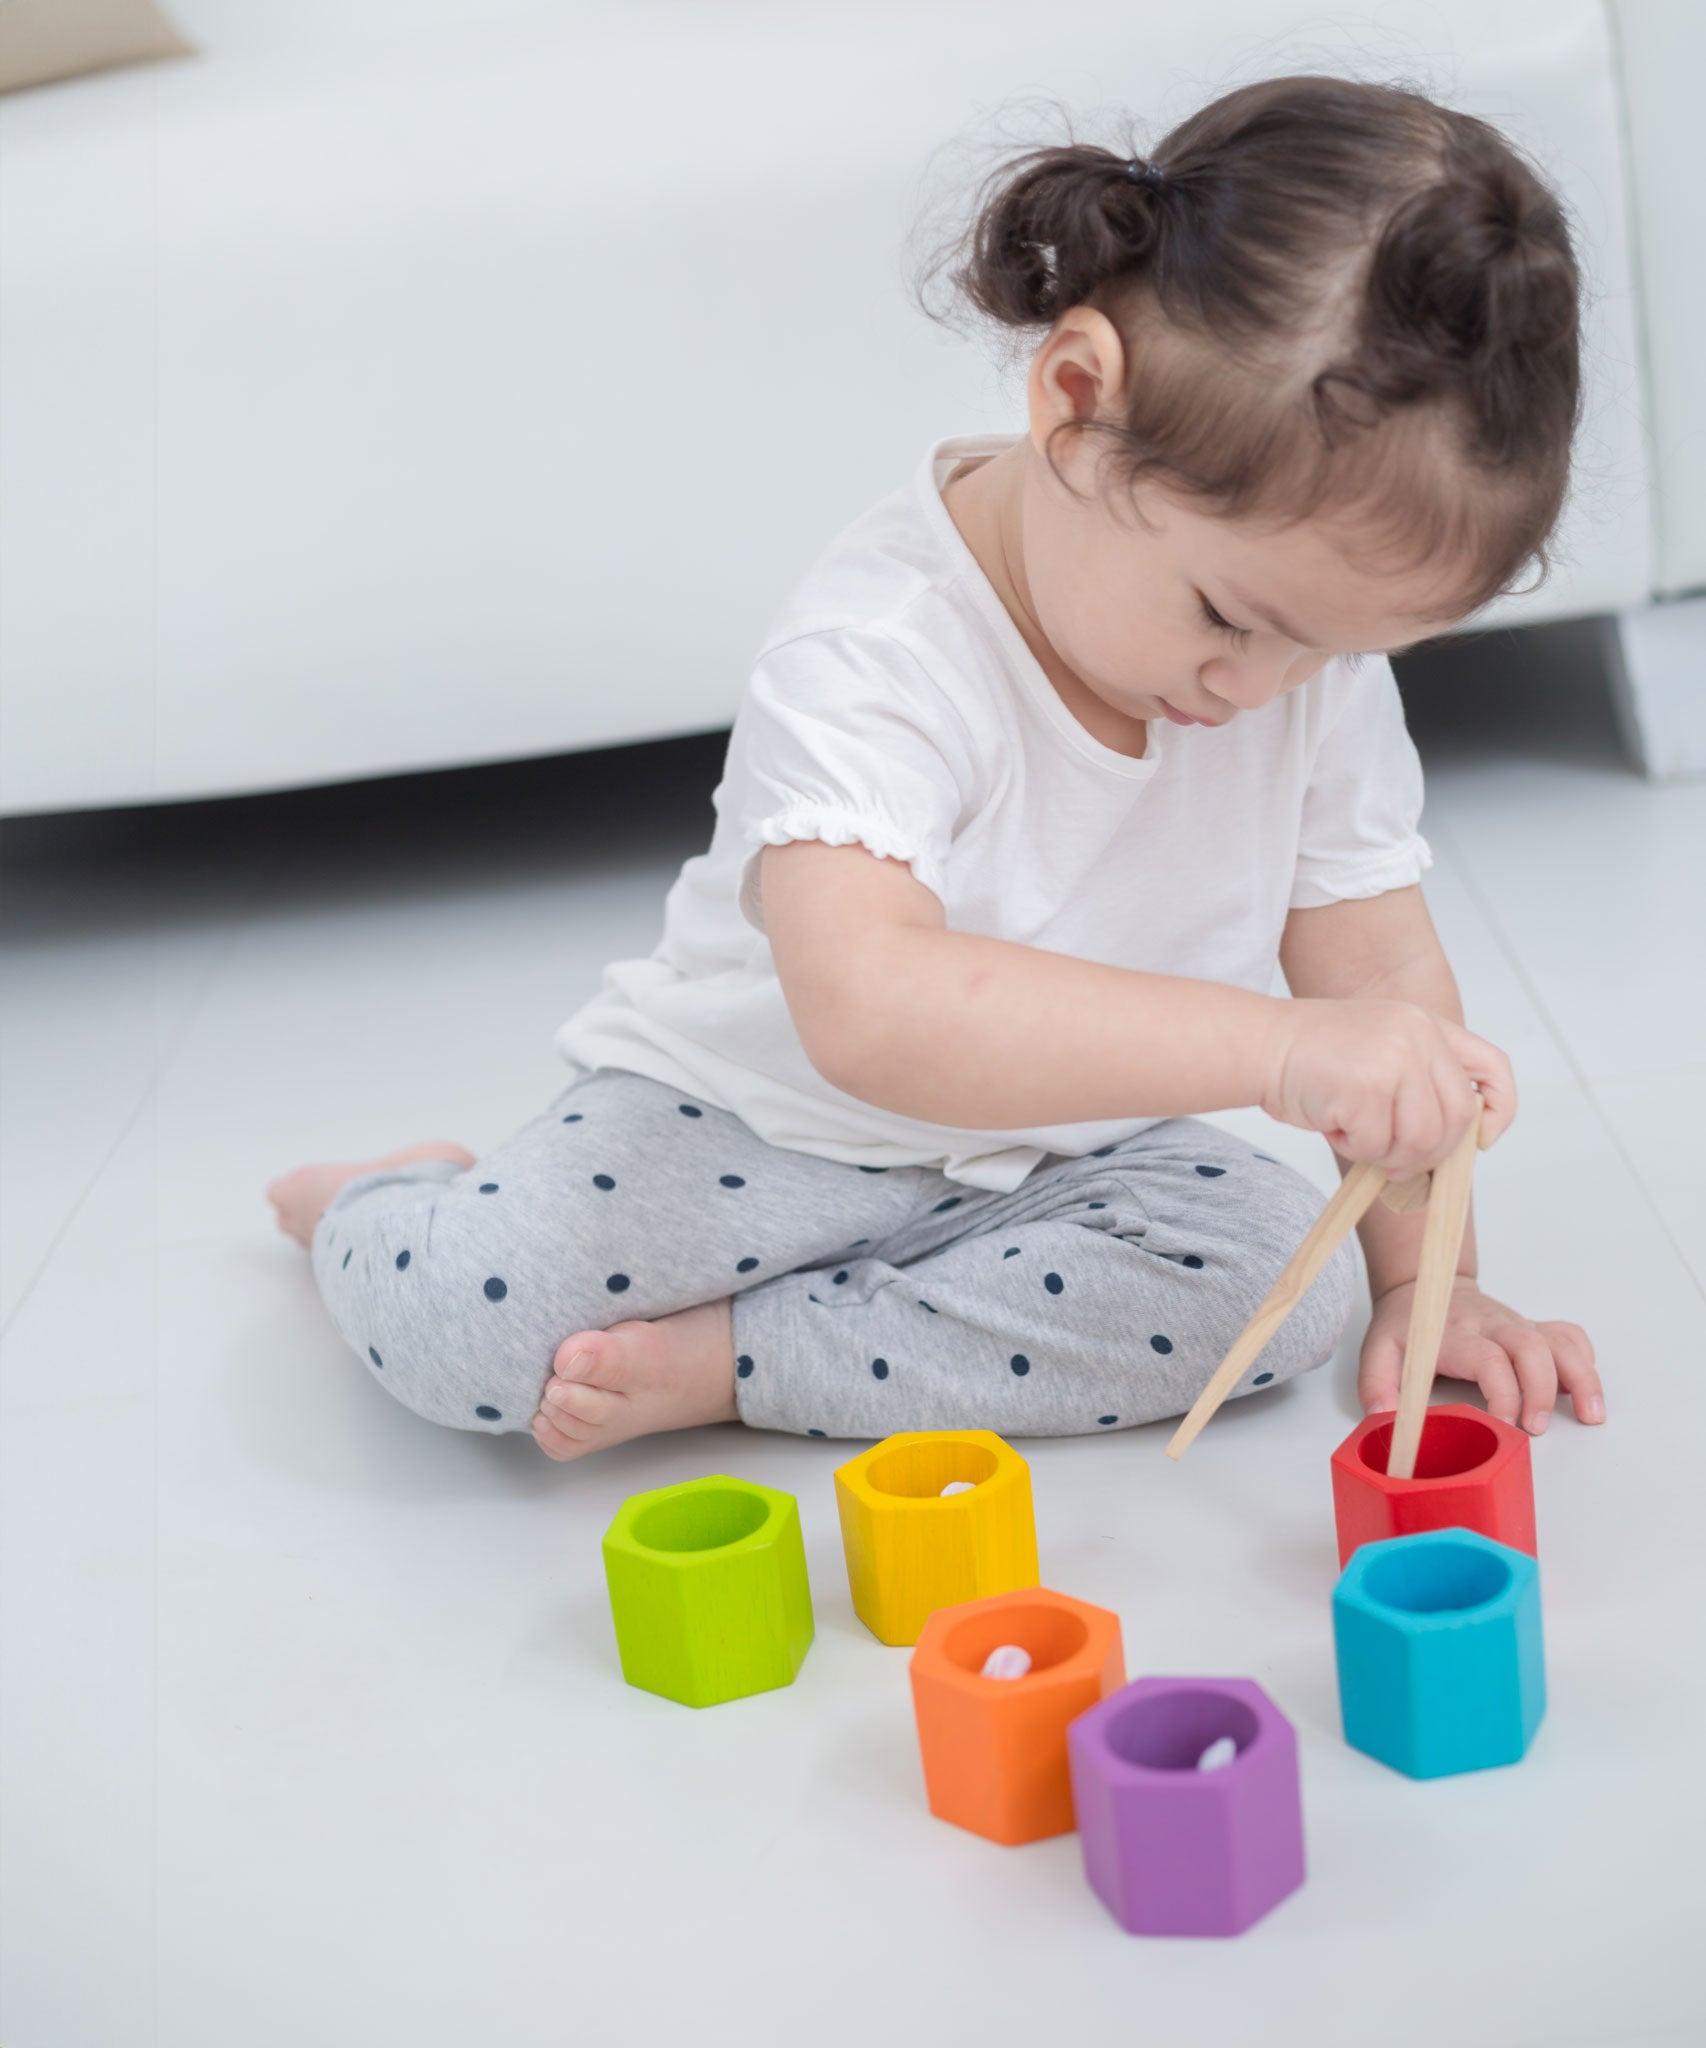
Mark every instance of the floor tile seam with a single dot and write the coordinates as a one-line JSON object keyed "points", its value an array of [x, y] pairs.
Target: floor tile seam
{"points": [[148, 1093], [1695, 1071], [1601, 1110]]}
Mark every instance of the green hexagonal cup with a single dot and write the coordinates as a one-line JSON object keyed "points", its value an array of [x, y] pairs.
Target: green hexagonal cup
{"points": [[708, 1590]]}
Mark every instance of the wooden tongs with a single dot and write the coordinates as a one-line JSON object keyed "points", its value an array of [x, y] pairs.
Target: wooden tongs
{"points": [[1445, 1193]]}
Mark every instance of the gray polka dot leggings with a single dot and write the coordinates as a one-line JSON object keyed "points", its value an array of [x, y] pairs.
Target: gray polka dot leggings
{"points": [[1100, 1294]]}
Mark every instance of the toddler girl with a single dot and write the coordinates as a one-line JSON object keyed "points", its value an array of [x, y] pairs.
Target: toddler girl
{"points": [[897, 1128]]}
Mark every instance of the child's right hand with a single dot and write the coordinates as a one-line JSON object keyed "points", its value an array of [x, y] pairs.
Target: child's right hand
{"points": [[1386, 1082]]}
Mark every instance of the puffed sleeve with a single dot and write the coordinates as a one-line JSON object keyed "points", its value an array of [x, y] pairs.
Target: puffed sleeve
{"points": [[843, 737], [1363, 801]]}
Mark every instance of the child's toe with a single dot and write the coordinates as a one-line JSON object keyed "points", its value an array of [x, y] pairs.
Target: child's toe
{"points": [[555, 1443], [574, 1357], [570, 1401]]}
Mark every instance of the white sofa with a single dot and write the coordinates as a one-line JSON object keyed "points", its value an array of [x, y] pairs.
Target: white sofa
{"points": [[412, 383]]}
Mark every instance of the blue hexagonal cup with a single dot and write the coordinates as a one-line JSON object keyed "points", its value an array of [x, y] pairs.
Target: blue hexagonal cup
{"points": [[1441, 1664]]}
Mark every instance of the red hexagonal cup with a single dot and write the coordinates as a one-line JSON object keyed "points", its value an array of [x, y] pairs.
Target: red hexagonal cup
{"points": [[1472, 1472]]}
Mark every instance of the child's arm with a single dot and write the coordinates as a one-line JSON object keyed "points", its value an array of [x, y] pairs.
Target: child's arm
{"points": [[985, 1033], [956, 1028], [1386, 947], [1379, 946]]}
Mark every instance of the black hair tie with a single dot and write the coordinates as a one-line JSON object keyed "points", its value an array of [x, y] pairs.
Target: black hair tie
{"points": [[1141, 173]]}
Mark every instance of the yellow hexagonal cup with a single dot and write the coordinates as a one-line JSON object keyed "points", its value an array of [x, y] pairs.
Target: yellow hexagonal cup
{"points": [[911, 1549]]}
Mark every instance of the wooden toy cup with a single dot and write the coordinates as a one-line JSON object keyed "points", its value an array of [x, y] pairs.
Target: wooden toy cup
{"points": [[1440, 1658], [708, 1590], [994, 1749], [911, 1549], [1171, 1848], [1472, 1472]]}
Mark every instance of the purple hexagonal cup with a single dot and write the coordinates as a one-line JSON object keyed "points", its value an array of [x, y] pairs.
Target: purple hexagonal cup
{"points": [[1173, 1849]]}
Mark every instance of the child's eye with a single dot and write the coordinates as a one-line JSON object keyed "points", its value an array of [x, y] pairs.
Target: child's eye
{"points": [[1239, 634]]}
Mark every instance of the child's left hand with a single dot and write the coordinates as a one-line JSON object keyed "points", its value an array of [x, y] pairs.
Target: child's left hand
{"points": [[1521, 1367]]}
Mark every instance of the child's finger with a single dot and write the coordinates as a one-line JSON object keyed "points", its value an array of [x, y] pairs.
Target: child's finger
{"points": [[1378, 1374], [1494, 1374], [1572, 1353], [1491, 1072], [1536, 1375]]}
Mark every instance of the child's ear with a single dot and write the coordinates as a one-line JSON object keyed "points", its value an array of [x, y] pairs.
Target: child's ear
{"points": [[1078, 373]]}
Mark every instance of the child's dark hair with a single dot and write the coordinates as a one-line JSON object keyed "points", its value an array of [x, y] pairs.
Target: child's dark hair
{"points": [[1332, 295]]}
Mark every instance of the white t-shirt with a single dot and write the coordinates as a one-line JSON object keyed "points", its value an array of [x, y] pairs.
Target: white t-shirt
{"points": [[895, 705]]}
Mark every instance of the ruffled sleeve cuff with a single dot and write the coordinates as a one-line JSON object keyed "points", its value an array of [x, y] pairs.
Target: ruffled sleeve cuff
{"points": [[834, 827]]}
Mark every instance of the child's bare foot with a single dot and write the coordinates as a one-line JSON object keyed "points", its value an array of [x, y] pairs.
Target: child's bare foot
{"points": [[638, 1378], [300, 1197]]}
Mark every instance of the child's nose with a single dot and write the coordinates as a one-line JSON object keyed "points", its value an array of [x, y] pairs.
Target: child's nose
{"points": [[1248, 681]]}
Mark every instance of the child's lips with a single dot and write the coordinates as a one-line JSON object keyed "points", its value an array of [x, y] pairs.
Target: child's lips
{"points": [[1184, 717]]}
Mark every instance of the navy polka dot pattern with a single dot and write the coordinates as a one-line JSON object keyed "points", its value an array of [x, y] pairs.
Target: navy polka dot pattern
{"points": [[486, 1382]]}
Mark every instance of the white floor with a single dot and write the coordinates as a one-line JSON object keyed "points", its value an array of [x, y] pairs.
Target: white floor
{"points": [[313, 1725]]}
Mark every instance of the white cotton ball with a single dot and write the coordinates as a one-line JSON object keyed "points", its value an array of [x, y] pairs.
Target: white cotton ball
{"points": [[1218, 1755], [1007, 1660], [958, 1486]]}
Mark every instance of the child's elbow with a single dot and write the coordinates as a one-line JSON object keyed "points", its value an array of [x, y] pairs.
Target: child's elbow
{"points": [[844, 1031], [841, 1040]]}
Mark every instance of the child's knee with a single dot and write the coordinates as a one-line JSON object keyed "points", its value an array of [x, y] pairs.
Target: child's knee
{"points": [[439, 1317]]}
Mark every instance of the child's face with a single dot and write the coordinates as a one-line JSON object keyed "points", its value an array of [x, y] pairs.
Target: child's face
{"points": [[1192, 610], [1182, 607]]}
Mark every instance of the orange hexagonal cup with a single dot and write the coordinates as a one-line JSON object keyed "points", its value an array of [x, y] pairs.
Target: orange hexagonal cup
{"points": [[994, 1749], [1472, 1472]]}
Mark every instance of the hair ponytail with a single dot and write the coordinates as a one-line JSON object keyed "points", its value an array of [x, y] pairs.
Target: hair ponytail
{"points": [[1058, 226]]}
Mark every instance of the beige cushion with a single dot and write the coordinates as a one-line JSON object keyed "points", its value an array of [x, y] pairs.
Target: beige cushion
{"points": [[43, 39]]}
